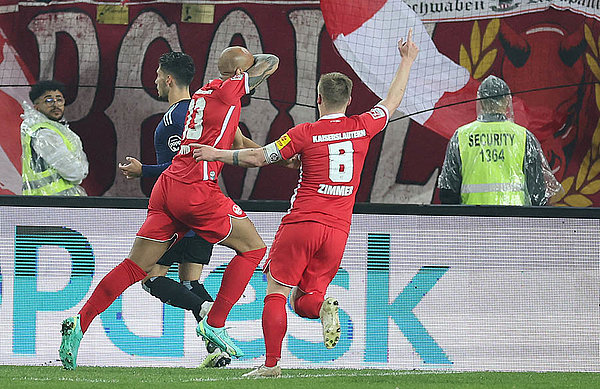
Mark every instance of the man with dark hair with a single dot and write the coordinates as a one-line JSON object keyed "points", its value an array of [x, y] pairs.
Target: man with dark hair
{"points": [[493, 161], [53, 159], [178, 65], [309, 245], [187, 197]]}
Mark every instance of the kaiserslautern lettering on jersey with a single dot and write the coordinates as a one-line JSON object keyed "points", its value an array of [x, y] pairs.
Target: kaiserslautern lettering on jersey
{"points": [[212, 118], [332, 151]]}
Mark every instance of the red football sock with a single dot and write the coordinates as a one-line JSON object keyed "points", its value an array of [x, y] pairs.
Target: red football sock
{"points": [[309, 305], [110, 287], [236, 277], [274, 323]]}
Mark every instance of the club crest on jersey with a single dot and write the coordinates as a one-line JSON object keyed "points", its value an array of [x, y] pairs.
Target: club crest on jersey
{"points": [[377, 113], [282, 141], [236, 208], [238, 77], [174, 143], [212, 175]]}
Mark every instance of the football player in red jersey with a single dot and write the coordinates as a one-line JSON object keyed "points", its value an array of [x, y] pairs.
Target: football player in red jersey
{"points": [[187, 197], [309, 245]]}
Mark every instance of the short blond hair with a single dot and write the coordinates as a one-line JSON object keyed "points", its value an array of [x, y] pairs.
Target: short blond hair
{"points": [[335, 89]]}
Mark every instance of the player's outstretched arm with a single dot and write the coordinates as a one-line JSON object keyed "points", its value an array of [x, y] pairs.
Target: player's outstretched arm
{"points": [[244, 157], [408, 51], [264, 66], [240, 141]]}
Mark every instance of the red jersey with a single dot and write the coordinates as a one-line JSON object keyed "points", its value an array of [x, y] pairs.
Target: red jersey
{"points": [[212, 118], [332, 151]]}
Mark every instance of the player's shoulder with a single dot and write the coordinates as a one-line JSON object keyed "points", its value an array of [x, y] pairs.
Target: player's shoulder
{"points": [[181, 107], [227, 90], [180, 112], [224, 84], [176, 113]]}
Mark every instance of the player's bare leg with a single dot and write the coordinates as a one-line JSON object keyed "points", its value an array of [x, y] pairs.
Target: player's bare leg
{"points": [[145, 252], [189, 271], [243, 236], [250, 250]]}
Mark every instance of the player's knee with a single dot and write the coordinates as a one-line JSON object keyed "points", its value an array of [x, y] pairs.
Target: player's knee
{"points": [[255, 256], [294, 295]]}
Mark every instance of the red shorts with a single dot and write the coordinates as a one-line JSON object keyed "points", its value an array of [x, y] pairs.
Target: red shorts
{"points": [[307, 255], [176, 207]]}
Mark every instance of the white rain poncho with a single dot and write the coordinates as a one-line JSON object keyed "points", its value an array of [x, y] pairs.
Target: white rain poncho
{"points": [[50, 155], [494, 161]]}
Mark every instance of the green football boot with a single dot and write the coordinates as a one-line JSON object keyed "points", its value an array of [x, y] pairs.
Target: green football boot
{"points": [[69, 345], [219, 337]]}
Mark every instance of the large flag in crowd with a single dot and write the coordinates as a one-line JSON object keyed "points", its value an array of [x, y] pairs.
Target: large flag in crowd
{"points": [[542, 56], [366, 33], [14, 91], [546, 51]]}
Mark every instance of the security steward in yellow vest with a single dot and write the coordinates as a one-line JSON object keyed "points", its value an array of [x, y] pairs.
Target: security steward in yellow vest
{"points": [[53, 159], [493, 161]]}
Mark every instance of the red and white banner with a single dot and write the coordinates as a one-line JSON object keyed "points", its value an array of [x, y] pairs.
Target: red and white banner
{"points": [[12, 93], [463, 10], [542, 60], [366, 34], [108, 60]]}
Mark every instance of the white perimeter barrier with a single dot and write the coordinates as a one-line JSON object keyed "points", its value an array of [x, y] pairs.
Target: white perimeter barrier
{"points": [[415, 291]]}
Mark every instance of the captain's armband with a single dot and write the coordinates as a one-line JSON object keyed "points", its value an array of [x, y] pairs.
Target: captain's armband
{"points": [[272, 153]]}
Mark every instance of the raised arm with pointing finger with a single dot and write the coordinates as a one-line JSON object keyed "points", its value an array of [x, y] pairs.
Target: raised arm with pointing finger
{"points": [[308, 247]]}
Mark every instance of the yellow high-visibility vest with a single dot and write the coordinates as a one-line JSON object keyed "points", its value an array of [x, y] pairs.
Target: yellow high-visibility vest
{"points": [[46, 182], [492, 155]]}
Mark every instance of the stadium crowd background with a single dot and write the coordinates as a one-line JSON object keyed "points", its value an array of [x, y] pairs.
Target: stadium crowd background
{"points": [[106, 57]]}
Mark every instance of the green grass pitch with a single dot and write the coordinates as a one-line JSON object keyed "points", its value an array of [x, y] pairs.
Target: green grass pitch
{"points": [[50, 377]]}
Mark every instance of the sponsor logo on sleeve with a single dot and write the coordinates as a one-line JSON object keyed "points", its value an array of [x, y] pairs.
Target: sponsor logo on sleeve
{"points": [[174, 143], [238, 77], [282, 141], [377, 113]]}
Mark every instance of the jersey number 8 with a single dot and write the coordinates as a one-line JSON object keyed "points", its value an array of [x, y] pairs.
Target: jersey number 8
{"points": [[341, 167]]}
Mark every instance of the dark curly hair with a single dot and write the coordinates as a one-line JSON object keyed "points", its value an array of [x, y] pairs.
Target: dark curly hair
{"points": [[179, 65], [44, 86]]}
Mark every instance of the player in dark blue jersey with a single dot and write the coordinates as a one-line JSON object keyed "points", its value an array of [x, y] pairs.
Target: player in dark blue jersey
{"points": [[174, 75]]}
